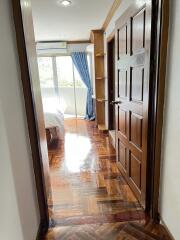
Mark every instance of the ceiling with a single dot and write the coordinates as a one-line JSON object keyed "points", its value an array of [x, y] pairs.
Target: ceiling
{"points": [[52, 21]]}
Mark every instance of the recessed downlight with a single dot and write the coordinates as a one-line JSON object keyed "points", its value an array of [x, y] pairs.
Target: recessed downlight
{"points": [[66, 3]]}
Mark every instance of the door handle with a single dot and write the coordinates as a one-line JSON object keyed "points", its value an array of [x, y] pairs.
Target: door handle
{"points": [[115, 102]]}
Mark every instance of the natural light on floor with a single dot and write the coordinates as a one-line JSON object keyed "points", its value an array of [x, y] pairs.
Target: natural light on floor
{"points": [[80, 148]]}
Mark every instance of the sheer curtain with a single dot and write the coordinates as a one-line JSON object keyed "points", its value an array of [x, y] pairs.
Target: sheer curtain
{"points": [[49, 84]]}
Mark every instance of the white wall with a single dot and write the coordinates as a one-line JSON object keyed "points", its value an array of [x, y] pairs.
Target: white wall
{"points": [[170, 182], [111, 27], [18, 202]]}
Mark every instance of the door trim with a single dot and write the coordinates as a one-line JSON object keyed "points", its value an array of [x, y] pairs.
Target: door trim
{"points": [[159, 56], [159, 50], [31, 116]]}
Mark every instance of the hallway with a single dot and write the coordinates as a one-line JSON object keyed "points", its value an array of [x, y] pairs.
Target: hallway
{"points": [[86, 183], [90, 199]]}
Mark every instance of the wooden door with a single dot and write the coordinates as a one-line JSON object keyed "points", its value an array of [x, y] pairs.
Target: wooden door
{"points": [[133, 35]]}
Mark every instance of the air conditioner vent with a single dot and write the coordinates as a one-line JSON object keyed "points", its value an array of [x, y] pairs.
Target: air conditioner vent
{"points": [[51, 48]]}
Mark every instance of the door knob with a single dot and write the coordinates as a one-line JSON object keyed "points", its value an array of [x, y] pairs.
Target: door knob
{"points": [[115, 102]]}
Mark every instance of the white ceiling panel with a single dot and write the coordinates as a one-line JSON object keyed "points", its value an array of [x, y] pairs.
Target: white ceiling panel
{"points": [[52, 21]]}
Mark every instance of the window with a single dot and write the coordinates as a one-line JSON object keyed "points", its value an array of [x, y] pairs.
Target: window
{"points": [[60, 79], [65, 70], [46, 72]]}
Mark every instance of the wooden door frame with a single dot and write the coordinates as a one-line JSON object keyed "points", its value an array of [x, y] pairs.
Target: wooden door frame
{"points": [[31, 119], [158, 55], [160, 26], [109, 78]]}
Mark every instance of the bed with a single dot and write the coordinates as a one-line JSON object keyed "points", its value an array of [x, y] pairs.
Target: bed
{"points": [[54, 119]]}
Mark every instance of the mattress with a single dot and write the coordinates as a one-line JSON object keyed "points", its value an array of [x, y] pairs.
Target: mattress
{"points": [[53, 115]]}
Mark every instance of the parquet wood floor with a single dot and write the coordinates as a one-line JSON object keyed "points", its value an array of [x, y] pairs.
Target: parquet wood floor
{"points": [[86, 183], [109, 231], [90, 199]]}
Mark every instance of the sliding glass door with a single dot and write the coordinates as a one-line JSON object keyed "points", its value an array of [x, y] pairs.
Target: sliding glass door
{"points": [[66, 85], [50, 97], [60, 80]]}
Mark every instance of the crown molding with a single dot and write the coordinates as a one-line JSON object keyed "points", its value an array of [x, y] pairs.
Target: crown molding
{"points": [[113, 9]]}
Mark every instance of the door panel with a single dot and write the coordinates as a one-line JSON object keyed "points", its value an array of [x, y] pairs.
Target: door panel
{"points": [[122, 154], [137, 80], [122, 116], [136, 129], [122, 84], [133, 34], [122, 40], [138, 31], [135, 170]]}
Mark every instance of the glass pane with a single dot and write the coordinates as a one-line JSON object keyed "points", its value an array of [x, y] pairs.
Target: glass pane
{"points": [[66, 85], [46, 72], [49, 97], [65, 71]]}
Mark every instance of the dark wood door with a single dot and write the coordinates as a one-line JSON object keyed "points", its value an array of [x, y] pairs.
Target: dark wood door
{"points": [[133, 34]]}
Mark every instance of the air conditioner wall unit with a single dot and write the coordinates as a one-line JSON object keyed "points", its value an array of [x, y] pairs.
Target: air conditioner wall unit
{"points": [[44, 48]]}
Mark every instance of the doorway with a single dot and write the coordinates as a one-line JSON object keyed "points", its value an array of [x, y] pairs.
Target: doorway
{"points": [[111, 88], [27, 70]]}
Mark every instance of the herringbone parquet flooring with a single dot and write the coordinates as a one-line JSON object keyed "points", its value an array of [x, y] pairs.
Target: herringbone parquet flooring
{"points": [[108, 231], [86, 182], [90, 199]]}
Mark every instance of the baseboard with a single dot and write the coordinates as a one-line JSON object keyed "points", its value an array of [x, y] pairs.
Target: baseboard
{"points": [[42, 230], [167, 229]]}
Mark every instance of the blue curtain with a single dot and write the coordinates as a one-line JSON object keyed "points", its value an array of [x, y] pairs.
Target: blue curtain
{"points": [[81, 64]]}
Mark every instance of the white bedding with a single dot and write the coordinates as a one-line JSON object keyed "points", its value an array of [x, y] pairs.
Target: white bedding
{"points": [[54, 115]]}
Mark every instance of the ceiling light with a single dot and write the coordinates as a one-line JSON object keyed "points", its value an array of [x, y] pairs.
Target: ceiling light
{"points": [[66, 3]]}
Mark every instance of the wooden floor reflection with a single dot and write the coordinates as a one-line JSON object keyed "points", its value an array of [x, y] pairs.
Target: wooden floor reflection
{"points": [[109, 231], [90, 199], [87, 186]]}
